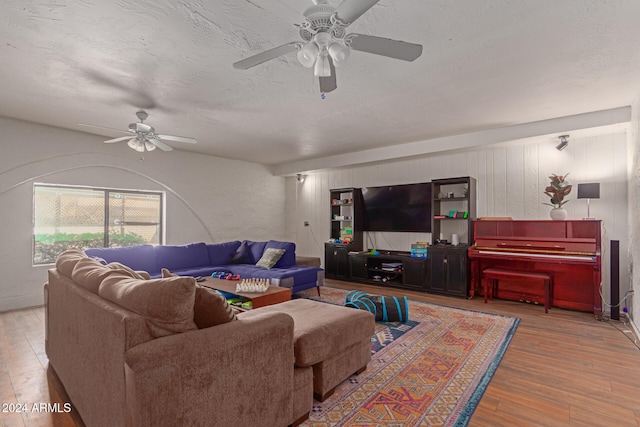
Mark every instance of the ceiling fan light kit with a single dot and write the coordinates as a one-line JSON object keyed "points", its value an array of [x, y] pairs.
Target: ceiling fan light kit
{"points": [[322, 67], [149, 146], [136, 145], [307, 55], [325, 43], [339, 53]]}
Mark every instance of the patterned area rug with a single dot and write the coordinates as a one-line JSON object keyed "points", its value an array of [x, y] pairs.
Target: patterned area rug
{"points": [[430, 371]]}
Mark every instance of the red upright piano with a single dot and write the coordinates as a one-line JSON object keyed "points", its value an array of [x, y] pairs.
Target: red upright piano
{"points": [[570, 250]]}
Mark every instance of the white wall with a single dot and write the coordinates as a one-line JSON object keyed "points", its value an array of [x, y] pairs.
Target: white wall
{"points": [[208, 198], [634, 212], [511, 178]]}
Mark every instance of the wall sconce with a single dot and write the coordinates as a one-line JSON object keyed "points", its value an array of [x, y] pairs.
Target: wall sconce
{"points": [[300, 178], [564, 141], [589, 191]]}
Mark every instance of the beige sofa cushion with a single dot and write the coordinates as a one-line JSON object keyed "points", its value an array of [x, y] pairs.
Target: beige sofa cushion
{"points": [[68, 259], [142, 275], [210, 308], [323, 330], [89, 273], [167, 304]]}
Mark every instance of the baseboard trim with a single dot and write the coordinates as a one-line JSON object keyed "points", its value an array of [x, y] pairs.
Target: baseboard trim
{"points": [[23, 301]]}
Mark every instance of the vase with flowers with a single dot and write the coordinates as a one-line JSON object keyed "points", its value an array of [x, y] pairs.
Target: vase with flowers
{"points": [[557, 190]]}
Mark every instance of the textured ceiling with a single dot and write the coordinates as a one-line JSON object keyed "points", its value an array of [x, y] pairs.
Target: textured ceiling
{"points": [[485, 64]]}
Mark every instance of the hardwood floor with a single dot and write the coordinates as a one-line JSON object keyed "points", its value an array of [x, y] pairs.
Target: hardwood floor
{"points": [[561, 369]]}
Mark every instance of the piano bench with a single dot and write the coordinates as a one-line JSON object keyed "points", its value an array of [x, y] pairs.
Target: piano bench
{"points": [[490, 276]]}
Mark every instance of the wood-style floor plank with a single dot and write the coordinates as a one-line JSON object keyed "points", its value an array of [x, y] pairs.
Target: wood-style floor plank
{"points": [[561, 369]]}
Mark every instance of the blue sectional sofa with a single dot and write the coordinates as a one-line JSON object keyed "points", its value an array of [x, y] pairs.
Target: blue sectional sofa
{"points": [[201, 259]]}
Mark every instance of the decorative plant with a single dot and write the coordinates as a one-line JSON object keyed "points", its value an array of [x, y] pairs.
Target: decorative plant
{"points": [[558, 188]]}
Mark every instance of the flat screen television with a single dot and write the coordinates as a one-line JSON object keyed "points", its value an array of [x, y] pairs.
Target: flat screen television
{"points": [[404, 207]]}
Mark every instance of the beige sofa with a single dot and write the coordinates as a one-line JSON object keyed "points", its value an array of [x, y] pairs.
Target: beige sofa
{"points": [[117, 373], [128, 351]]}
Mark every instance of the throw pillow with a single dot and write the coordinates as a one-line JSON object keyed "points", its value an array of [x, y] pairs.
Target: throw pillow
{"points": [[166, 273], [166, 304], [289, 257], [270, 257], [142, 275], [211, 308], [242, 255]]}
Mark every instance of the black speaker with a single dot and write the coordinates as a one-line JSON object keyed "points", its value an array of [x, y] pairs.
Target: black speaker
{"points": [[614, 267]]}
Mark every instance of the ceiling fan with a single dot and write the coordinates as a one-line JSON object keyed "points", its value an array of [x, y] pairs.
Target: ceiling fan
{"points": [[144, 137], [326, 45]]}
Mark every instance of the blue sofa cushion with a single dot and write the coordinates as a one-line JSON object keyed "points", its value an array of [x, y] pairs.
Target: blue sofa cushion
{"points": [[256, 249], [138, 258], [242, 255], [182, 257], [221, 253], [288, 259]]}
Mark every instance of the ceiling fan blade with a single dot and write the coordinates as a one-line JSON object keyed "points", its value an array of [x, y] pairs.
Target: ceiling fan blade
{"points": [[131, 94], [265, 56], [350, 10], [327, 84], [386, 47], [122, 138], [161, 145], [102, 127], [178, 138]]}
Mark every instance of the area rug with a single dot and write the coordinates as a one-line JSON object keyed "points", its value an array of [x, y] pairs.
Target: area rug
{"points": [[430, 371]]}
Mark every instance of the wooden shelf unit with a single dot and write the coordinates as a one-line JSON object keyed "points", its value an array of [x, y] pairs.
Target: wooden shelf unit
{"points": [[346, 211]]}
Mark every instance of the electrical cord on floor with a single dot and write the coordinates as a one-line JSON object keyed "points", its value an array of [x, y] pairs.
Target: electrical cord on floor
{"points": [[626, 295], [630, 335]]}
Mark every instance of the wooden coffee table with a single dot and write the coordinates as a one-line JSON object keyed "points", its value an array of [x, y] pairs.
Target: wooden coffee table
{"points": [[273, 295]]}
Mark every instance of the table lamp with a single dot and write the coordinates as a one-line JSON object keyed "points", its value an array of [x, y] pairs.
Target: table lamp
{"points": [[589, 191]]}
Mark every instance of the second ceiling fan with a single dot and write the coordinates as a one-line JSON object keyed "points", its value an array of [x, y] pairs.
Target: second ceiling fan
{"points": [[326, 44]]}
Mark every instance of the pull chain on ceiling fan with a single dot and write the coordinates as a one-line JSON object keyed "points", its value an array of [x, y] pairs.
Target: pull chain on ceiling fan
{"points": [[326, 45]]}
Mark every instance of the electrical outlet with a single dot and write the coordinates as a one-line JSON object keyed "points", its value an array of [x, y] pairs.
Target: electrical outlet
{"points": [[306, 223]]}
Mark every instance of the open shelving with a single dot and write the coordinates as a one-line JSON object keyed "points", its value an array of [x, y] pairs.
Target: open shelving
{"points": [[346, 215], [450, 264], [453, 194]]}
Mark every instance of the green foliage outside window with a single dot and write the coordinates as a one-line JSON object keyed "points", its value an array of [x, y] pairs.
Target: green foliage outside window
{"points": [[47, 247]]}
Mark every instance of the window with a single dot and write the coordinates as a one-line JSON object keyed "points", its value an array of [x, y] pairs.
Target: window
{"points": [[82, 217]]}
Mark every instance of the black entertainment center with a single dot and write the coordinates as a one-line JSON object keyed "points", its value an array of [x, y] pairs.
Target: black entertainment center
{"points": [[441, 207]]}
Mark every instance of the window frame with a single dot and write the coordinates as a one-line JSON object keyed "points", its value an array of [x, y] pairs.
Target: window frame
{"points": [[107, 192]]}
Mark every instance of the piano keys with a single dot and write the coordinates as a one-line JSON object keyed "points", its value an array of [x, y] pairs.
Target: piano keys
{"points": [[569, 250]]}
